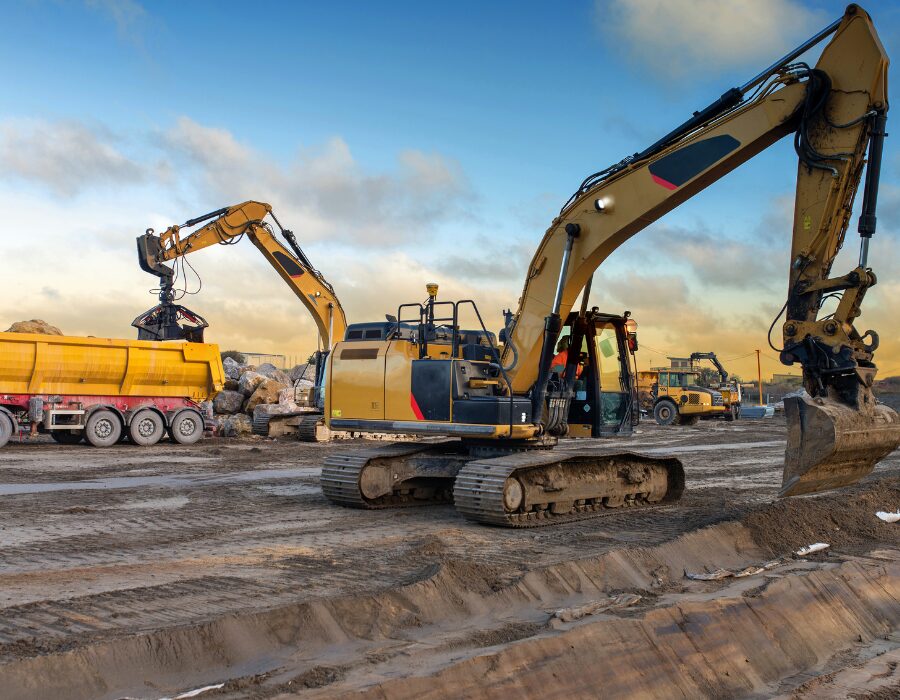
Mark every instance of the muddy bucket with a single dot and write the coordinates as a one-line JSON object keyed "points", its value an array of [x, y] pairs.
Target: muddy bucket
{"points": [[830, 445]]}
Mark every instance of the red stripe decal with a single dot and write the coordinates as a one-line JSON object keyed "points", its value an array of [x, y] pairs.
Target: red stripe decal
{"points": [[665, 183], [415, 407]]}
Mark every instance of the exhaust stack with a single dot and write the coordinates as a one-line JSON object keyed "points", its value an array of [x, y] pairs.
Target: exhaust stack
{"points": [[831, 444]]}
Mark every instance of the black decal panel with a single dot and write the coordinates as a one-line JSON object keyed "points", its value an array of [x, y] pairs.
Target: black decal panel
{"points": [[431, 388], [677, 168], [288, 263]]}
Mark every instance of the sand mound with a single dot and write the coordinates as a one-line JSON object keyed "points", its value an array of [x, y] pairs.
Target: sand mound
{"points": [[841, 518], [35, 325]]}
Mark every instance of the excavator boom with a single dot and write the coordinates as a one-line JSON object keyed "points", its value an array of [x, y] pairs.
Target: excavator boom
{"points": [[422, 378], [226, 226], [835, 111]]}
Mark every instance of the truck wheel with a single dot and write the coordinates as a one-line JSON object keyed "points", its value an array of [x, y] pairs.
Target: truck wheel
{"points": [[730, 414], [67, 437], [737, 412], [665, 413], [6, 430], [146, 428], [103, 428], [187, 428]]}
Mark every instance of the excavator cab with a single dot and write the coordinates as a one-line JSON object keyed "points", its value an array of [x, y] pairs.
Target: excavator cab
{"points": [[604, 397], [423, 370]]}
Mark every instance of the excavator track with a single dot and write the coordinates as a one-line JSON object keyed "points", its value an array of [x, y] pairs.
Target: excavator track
{"points": [[533, 488], [307, 430], [342, 476], [611, 483]]}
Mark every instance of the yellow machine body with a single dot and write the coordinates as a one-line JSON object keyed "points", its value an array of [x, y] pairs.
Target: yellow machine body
{"points": [[75, 366], [679, 390]]}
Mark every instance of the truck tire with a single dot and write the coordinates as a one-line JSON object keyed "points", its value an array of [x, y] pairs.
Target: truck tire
{"points": [[665, 413], [187, 428], [6, 430], [67, 437], [146, 428], [103, 428]]}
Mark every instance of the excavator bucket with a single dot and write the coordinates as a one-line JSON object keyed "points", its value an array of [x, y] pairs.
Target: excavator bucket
{"points": [[830, 444]]}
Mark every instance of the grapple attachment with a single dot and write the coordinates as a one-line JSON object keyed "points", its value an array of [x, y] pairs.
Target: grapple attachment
{"points": [[831, 444]]}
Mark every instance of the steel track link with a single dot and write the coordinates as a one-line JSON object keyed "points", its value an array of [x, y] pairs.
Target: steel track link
{"points": [[341, 474], [478, 495]]}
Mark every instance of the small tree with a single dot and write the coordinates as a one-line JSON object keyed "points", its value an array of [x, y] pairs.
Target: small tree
{"points": [[707, 376], [238, 357]]}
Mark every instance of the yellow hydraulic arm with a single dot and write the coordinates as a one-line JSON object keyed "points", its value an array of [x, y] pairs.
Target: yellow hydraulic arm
{"points": [[226, 226], [836, 111]]}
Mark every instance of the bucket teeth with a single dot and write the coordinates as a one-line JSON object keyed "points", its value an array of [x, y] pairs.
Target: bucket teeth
{"points": [[830, 444]]}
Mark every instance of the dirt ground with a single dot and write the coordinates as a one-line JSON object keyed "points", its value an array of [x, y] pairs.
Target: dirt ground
{"points": [[149, 572]]}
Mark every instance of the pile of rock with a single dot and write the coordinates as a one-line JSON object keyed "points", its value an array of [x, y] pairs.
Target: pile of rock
{"points": [[253, 390], [35, 325]]}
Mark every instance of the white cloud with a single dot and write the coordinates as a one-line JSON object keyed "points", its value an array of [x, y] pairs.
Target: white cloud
{"points": [[67, 157], [125, 14], [324, 192], [677, 38]]}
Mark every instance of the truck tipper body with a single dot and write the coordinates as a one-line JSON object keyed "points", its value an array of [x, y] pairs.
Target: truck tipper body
{"points": [[103, 390]]}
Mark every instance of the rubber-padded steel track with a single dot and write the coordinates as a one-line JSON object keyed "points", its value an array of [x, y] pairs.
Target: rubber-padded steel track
{"points": [[261, 425], [307, 430], [341, 474], [478, 489]]}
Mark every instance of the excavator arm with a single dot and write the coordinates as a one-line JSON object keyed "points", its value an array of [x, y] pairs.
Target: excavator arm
{"points": [[835, 112], [225, 227], [711, 356]]}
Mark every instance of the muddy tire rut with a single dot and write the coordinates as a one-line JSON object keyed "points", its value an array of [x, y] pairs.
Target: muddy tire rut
{"points": [[244, 575]]}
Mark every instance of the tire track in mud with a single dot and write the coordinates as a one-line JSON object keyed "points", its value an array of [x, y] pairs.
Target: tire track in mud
{"points": [[80, 562]]}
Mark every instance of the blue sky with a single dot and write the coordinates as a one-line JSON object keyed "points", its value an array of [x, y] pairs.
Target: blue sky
{"points": [[458, 129]]}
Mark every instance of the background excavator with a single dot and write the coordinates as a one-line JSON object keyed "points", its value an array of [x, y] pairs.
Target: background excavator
{"points": [[730, 391], [679, 395], [678, 398], [226, 226], [427, 376]]}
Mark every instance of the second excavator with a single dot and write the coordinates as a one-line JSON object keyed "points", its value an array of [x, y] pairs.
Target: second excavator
{"points": [[506, 407], [171, 321]]}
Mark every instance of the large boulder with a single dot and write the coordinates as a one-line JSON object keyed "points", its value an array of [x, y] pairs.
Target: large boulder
{"points": [[287, 399], [35, 325], [305, 371], [232, 368], [249, 381], [275, 409], [267, 391], [228, 402], [272, 372], [233, 426]]}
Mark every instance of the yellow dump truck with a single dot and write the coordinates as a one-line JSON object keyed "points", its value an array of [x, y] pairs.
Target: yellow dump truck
{"points": [[106, 390]]}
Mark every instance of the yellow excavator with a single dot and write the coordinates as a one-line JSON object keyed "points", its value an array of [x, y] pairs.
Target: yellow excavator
{"points": [[226, 226], [507, 408]]}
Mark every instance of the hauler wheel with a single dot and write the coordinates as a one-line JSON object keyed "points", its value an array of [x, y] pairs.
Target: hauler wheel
{"points": [[6, 430], [187, 427], [665, 413], [67, 437], [103, 428], [146, 428]]}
